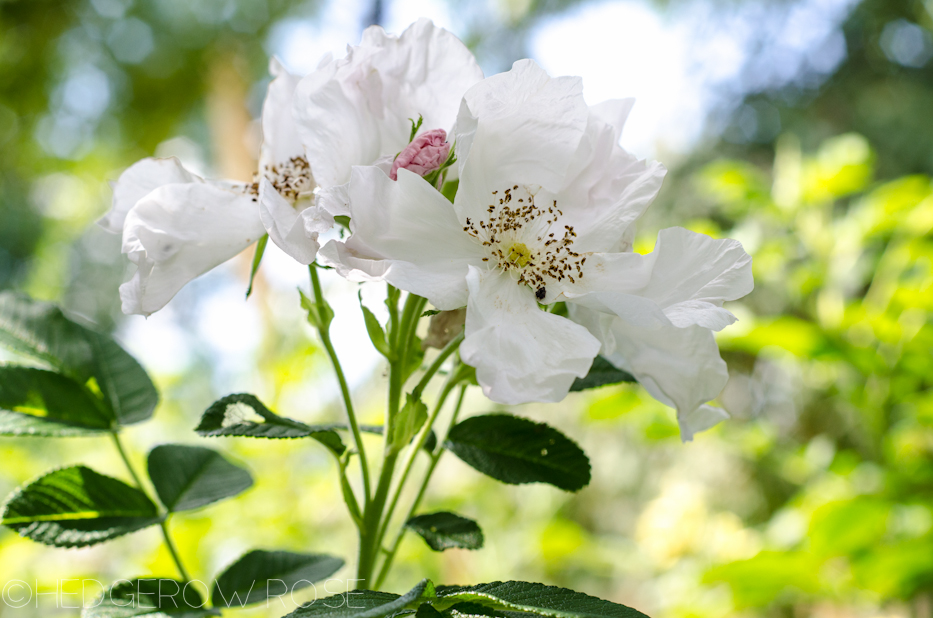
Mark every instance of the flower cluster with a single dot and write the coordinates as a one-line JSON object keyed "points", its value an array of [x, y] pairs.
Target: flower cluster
{"points": [[508, 195]]}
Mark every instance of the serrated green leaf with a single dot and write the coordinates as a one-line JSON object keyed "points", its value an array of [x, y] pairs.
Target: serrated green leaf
{"points": [[150, 597], [41, 331], [409, 421], [189, 477], [257, 259], [533, 598], [516, 450], [124, 384], [428, 313], [602, 373], [243, 415], [260, 575], [76, 507], [445, 530], [37, 402], [376, 333], [368, 603]]}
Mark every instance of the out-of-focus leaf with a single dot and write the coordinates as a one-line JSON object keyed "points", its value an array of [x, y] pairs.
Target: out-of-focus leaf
{"points": [[151, 597], [189, 477], [848, 526], [261, 575], [768, 576], [40, 330], [367, 603], [122, 381], [37, 402], [444, 530]]}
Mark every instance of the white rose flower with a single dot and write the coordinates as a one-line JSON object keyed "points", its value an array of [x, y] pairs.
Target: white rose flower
{"points": [[176, 225], [544, 213]]}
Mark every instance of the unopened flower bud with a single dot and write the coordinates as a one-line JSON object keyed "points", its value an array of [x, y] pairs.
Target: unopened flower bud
{"points": [[423, 155]]}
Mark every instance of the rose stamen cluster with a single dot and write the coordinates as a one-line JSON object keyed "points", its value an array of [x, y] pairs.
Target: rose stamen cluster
{"points": [[291, 179], [518, 239]]}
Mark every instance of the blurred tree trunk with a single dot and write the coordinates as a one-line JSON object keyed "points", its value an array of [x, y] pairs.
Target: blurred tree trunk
{"points": [[228, 117]]}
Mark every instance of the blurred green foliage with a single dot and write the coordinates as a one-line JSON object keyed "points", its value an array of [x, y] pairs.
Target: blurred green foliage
{"points": [[815, 499]]}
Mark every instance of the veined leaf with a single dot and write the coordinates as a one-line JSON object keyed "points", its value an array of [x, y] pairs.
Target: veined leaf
{"points": [[76, 507], [516, 450], [189, 477], [532, 598], [261, 575], [445, 530], [151, 597], [37, 402], [368, 603], [602, 373], [41, 331], [123, 383], [245, 416]]}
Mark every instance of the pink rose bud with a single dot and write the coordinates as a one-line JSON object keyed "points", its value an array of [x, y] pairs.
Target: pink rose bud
{"points": [[423, 155]]}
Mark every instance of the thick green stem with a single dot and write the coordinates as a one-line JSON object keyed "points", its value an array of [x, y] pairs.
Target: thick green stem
{"points": [[164, 523], [324, 333], [435, 458]]}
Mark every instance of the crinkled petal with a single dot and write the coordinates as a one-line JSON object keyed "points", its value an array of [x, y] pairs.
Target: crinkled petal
{"points": [[356, 110], [294, 228], [406, 232], [139, 180], [680, 367], [179, 232], [280, 139], [687, 276], [521, 354], [521, 127], [334, 200], [609, 189]]}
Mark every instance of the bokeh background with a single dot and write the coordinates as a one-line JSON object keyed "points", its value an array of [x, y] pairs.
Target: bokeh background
{"points": [[803, 128]]}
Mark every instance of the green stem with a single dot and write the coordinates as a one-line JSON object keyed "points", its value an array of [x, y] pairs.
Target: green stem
{"points": [[449, 349], [164, 523], [372, 516], [172, 550], [324, 333], [422, 437], [435, 458]]}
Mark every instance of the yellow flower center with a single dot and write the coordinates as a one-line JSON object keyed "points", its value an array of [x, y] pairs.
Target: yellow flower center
{"points": [[519, 254]]}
